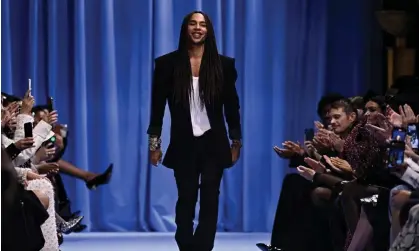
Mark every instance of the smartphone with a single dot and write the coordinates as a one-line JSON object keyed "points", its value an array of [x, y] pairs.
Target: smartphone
{"points": [[412, 131], [50, 104], [395, 154], [308, 134], [398, 134], [30, 87], [28, 130]]}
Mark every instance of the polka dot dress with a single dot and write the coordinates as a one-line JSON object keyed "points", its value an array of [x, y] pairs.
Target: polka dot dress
{"points": [[49, 229]]}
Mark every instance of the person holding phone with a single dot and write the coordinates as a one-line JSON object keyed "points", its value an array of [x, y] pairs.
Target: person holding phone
{"points": [[198, 84]]}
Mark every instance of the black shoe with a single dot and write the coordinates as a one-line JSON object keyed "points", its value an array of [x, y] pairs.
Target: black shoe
{"points": [[79, 228], [264, 247], [101, 179]]}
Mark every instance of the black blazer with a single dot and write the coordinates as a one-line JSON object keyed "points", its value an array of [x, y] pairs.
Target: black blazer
{"points": [[180, 150]]}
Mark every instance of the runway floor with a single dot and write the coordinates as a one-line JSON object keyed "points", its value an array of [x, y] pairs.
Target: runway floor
{"points": [[155, 241]]}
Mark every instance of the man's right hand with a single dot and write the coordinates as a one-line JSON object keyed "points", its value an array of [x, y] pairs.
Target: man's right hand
{"points": [[155, 157], [24, 143]]}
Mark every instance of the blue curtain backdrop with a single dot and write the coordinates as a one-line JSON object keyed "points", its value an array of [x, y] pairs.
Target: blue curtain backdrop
{"points": [[95, 57]]}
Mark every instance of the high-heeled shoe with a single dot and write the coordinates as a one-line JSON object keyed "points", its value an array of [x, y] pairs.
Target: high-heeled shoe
{"points": [[264, 247], [101, 179], [67, 227]]}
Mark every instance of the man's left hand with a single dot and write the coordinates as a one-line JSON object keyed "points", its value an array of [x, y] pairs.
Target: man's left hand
{"points": [[235, 152]]}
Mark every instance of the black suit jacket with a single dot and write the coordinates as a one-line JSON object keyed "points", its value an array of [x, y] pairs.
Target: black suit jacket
{"points": [[180, 151]]}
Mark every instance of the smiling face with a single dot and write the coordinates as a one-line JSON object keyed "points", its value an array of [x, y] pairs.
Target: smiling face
{"points": [[197, 29], [340, 120]]}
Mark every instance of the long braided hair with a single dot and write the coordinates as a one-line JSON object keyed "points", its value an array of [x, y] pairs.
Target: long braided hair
{"points": [[210, 74]]}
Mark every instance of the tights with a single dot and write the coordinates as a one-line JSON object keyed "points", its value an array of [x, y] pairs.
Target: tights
{"points": [[351, 193], [358, 226]]}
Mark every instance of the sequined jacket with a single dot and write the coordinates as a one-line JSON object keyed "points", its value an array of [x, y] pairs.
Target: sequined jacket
{"points": [[365, 150]]}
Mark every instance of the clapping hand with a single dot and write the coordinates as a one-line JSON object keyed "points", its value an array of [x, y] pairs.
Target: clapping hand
{"points": [[403, 118], [306, 173], [331, 165], [290, 149], [341, 164], [407, 114], [315, 165]]}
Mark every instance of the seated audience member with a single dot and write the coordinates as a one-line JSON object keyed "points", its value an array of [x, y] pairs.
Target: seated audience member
{"points": [[23, 116], [374, 103], [23, 211], [295, 197], [93, 180], [364, 150], [25, 152], [409, 173], [358, 104], [349, 181], [408, 238]]}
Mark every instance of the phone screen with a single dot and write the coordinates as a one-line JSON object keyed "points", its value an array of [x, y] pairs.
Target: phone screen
{"points": [[398, 134], [413, 133], [308, 134], [50, 142], [52, 139], [28, 130], [395, 154]]}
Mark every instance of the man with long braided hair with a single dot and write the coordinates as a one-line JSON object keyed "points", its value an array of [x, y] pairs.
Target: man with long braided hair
{"points": [[199, 86]]}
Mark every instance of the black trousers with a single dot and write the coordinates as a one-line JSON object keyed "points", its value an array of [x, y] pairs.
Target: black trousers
{"points": [[21, 222], [299, 225], [203, 176], [62, 202]]}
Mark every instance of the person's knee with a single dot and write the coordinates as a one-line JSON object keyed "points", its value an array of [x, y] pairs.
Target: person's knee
{"points": [[293, 178], [348, 192], [399, 195], [43, 198], [210, 185], [320, 196], [209, 190]]}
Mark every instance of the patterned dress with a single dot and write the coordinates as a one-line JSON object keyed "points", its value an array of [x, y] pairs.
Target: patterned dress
{"points": [[408, 238], [49, 228]]}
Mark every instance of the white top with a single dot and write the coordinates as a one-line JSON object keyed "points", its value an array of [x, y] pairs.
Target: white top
{"points": [[199, 117]]}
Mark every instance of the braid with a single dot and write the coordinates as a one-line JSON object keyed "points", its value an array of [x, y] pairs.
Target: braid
{"points": [[210, 75]]}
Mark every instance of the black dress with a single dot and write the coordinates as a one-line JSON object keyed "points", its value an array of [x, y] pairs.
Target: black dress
{"points": [[22, 215]]}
